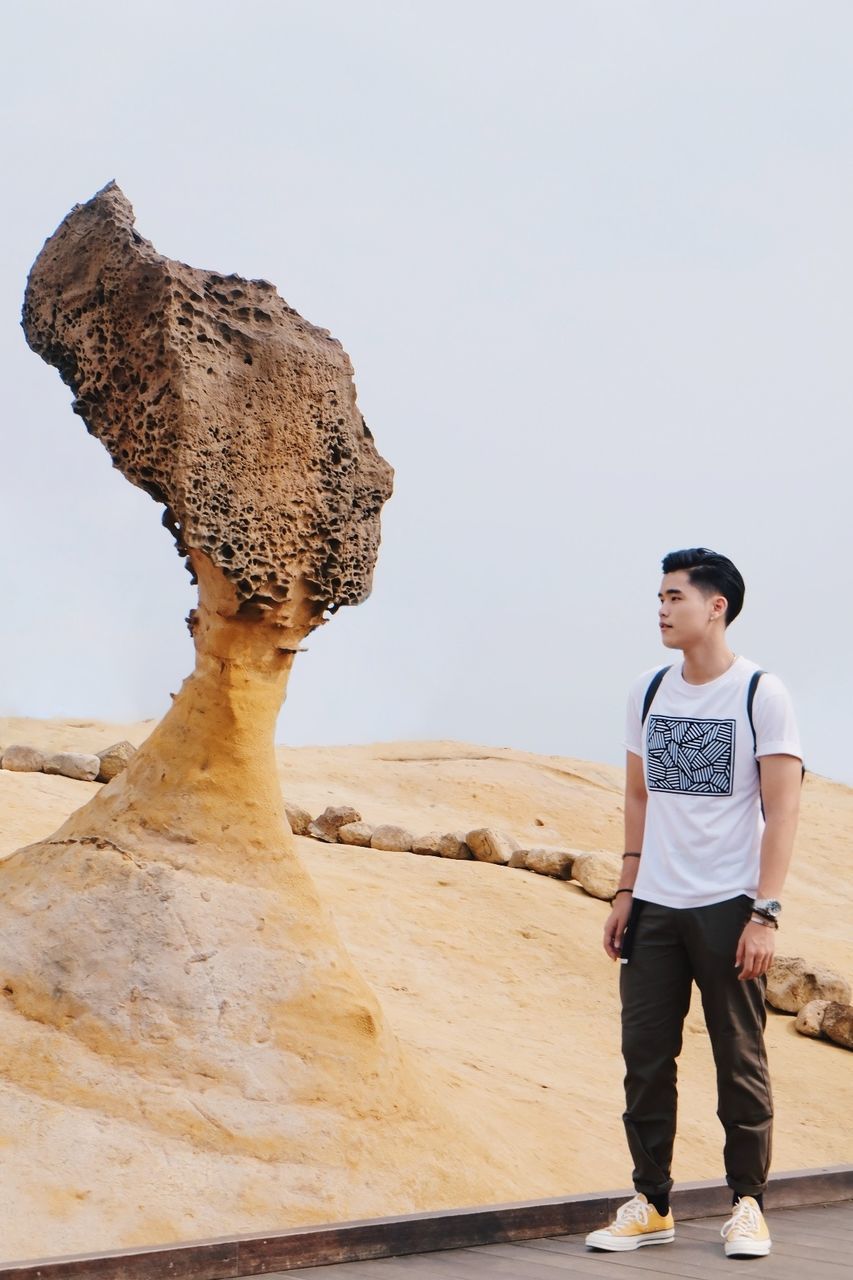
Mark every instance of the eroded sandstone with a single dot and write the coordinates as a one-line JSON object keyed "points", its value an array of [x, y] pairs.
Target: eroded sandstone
{"points": [[165, 959]]}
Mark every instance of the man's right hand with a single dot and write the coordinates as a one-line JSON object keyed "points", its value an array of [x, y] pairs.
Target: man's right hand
{"points": [[615, 925]]}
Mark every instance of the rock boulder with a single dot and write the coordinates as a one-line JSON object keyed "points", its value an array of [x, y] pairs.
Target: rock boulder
{"points": [[73, 764], [792, 982], [299, 820], [597, 874], [114, 759], [837, 1023], [810, 1018], [355, 833], [550, 862], [391, 838], [488, 845], [22, 759], [330, 821]]}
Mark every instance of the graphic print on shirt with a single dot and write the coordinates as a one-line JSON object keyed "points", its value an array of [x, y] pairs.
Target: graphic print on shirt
{"points": [[690, 757]]}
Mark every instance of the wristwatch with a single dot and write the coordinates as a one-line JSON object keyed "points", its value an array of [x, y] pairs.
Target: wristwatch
{"points": [[771, 908]]}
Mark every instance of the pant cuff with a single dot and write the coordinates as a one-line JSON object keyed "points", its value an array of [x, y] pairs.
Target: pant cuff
{"points": [[654, 1190], [747, 1188]]}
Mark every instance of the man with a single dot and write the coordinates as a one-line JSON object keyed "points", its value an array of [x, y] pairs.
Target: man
{"points": [[708, 746]]}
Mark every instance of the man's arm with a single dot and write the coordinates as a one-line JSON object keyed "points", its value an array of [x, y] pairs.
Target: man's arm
{"points": [[635, 822], [781, 779]]}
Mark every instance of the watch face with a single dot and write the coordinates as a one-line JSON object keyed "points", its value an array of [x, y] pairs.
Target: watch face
{"points": [[771, 905]]}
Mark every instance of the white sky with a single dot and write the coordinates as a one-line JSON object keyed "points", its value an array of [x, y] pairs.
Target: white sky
{"points": [[592, 262]]}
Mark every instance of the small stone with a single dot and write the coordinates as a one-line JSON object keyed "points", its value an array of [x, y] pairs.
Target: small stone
{"points": [[357, 833], [298, 819], [21, 759], [810, 1018], [428, 844], [519, 859], [550, 862], [838, 1023], [792, 982], [114, 760], [597, 874], [73, 764], [454, 845], [330, 821], [488, 845], [394, 839]]}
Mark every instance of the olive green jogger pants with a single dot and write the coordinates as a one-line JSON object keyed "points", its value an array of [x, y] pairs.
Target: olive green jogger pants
{"points": [[669, 949]]}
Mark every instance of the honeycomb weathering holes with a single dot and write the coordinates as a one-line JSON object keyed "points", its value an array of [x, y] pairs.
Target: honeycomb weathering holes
{"points": [[219, 400]]}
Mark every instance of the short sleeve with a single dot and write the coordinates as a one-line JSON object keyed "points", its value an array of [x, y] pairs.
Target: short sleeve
{"points": [[633, 723], [776, 732]]}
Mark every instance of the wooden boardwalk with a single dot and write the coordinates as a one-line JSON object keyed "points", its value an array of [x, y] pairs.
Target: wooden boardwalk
{"points": [[814, 1242]]}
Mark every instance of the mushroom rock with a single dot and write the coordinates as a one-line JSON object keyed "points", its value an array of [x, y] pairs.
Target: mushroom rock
{"points": [[164, 957]]}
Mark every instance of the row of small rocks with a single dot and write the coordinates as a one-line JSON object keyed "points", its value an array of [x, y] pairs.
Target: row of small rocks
{"points": [[820, 998], [597, 873], [100, 767]]}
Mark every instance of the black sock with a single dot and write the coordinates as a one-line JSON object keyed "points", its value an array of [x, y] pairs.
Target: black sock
{"points": [[661, 1203], [759, 1200]]}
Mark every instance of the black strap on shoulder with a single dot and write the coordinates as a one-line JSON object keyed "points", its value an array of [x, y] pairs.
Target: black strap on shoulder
{"points": [[750, 698], [651, 691]]}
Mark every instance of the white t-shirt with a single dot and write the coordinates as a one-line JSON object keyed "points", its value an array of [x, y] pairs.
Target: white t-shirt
{"points": [[702, 837]]}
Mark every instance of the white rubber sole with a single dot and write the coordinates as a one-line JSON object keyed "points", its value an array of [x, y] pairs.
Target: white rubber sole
{"points": [[747, 1248], [621, 1244]]}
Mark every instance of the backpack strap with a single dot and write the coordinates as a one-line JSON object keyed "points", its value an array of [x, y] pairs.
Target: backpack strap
{"points": [[750, 699], [651, 691]]}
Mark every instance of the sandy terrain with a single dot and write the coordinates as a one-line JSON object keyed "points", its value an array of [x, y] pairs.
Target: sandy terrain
{"points": [[493, 979]]}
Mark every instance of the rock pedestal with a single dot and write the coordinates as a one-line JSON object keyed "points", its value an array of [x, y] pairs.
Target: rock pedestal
{"points": [[164, 957]]}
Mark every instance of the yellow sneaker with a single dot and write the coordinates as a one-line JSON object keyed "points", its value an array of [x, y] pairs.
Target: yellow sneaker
{"points": [[746, 1233], [636, 1223]]}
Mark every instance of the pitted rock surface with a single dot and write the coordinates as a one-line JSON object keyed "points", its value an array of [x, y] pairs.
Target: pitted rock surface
{"points": [[221, 401]]}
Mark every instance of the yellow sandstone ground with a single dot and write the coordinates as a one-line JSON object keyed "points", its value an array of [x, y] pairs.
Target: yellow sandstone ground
{"points": [[493, 980]]}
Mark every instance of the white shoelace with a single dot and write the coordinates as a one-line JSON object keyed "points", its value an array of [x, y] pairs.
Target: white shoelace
{"points": [[746, 1219], [635, 1210]]}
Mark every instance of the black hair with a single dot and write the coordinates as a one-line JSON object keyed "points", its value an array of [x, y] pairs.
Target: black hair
{"points": [[712, 573]]}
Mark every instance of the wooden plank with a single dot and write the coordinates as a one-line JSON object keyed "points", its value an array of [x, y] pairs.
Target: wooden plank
{"points": [[665, 1259], [308, 1247], [830, 1218], [213, 1260], [684, 1257], [786, 1239]]}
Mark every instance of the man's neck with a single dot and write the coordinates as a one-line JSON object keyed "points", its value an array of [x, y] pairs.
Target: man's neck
{"points": [[706, 662]]}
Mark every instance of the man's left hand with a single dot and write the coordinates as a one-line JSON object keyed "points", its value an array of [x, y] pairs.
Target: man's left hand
{"points": [[755, 951]]}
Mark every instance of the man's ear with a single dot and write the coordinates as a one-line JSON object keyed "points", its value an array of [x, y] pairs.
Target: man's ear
{"points": [[719, 605]]}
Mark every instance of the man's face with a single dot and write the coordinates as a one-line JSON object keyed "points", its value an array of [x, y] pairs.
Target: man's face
{"points": [[686, 615]]}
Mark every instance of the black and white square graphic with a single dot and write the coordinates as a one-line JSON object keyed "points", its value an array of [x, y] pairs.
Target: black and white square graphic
{"points": [[691, 757]]}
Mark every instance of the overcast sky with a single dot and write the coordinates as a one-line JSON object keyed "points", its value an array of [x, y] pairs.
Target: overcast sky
{"points": [[592, 262]]}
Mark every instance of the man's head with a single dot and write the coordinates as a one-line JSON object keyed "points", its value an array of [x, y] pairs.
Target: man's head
{"points": [[701, 591]]}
